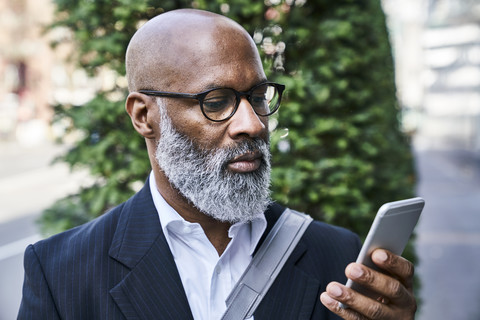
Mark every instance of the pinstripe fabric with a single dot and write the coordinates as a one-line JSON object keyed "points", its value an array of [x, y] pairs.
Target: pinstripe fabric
{"points": [[119, 266], [319, 258]]}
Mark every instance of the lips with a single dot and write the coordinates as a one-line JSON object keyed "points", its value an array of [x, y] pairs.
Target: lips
{"points": [[247, 162]]}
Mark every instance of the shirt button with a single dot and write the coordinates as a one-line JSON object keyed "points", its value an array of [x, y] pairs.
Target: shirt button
{"points": [[218, 270]]}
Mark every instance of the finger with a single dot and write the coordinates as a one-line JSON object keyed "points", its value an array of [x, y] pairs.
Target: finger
{"points": [[359, 306], [384, 285], [334, 306], [397, 266]]}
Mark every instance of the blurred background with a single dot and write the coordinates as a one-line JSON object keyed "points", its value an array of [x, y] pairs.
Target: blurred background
{"points": [[436, 48]]}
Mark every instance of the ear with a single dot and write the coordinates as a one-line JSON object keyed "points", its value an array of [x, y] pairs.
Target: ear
{"points": [[144, 114]]}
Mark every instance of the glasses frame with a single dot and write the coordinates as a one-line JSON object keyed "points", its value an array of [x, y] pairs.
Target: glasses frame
{"points": [[238, 94]]}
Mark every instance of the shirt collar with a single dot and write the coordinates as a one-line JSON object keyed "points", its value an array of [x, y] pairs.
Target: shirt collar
{"points": [[168, 216]]}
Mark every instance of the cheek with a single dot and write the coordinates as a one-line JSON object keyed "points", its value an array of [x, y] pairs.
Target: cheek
{"points": [[203, 132]]}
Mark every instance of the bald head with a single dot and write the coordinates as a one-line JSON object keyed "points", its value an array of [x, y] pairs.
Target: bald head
{"points": [[180, 46]]}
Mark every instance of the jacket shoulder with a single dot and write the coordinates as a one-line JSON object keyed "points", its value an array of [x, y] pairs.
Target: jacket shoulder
{"points": [[327, 244], [94, 235], [318, 232]]}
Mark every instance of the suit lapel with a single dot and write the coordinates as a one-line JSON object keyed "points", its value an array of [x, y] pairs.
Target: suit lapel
{"points": [[152, 289]]}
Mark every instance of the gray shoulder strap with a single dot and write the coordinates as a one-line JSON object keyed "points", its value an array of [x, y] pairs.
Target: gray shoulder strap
{"points": [[266, 264]]}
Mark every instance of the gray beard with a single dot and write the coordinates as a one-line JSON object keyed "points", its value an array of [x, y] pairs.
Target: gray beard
{"points": [[202, 177]]}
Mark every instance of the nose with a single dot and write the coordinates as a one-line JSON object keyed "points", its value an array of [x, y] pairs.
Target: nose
{"points": [[246, 122]]}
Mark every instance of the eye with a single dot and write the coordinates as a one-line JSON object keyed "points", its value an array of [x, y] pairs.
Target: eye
{"points": [[261, 94], [258, 98], [264, 99], [216, 104], [220, 100]]}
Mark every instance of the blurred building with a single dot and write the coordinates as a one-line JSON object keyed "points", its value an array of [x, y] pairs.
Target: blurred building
{"points": [[25, 63], [33, 75], [452, 57], [437, 54]]}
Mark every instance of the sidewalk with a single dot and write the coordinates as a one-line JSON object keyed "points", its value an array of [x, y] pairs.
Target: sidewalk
{"points": [[448, 234]]}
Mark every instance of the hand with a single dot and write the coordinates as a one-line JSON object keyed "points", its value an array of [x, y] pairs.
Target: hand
{"points": [[395, 298]]}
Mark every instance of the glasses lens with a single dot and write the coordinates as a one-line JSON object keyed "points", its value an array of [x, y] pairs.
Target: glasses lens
{"points": [[265, 99], [219, 104]]}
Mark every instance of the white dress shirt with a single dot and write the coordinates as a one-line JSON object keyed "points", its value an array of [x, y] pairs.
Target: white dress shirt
{"points": [[207, 278]]}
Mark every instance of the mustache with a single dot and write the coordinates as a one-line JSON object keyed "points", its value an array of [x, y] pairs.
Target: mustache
{"points": [[250, 146], [255, 145]]}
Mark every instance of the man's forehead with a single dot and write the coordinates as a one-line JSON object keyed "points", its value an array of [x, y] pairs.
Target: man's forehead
{"points": [[167, 51]]}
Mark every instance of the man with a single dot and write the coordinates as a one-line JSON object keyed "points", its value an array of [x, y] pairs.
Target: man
{"points": [[199, 96]]}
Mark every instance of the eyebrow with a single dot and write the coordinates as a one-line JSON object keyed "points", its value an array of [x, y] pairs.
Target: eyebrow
{"points": [[213, 85]]}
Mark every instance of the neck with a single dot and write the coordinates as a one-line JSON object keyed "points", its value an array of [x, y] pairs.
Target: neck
{"points": [[217, 233]]}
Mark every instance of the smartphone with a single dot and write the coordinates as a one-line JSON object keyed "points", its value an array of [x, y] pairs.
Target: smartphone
{"points": [[391, 229]]}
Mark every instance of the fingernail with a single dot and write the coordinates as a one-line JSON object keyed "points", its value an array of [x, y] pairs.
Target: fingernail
{"points": [[335, 290], [326, 299], [356, 271], [381, 256]]}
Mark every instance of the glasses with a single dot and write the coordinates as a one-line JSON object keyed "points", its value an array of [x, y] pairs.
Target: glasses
{"points": [[220, 104]]}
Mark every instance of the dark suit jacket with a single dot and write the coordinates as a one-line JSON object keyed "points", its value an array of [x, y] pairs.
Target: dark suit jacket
{"points": [[119, 266]]}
